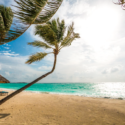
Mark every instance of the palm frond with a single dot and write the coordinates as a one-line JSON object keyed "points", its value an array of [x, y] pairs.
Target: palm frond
{"points": [[68, 41], [120, 2], [6, 18], [70, 36], [40, 44], [53, 25], [58, 27], [46, 33], [48, 11], [36, 11], [30, 12], [61, 30], [36, 57], [15, 31]]}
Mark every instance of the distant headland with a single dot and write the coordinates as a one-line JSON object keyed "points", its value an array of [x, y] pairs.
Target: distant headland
{"points": [[3, 80]]}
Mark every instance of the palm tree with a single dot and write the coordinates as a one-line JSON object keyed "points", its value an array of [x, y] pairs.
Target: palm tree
{"points": [[121, 2], [53, 34], [6, 19], [28, 12]]}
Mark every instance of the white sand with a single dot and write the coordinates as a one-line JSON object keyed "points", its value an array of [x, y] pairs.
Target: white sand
{"points": [[48, 109]]}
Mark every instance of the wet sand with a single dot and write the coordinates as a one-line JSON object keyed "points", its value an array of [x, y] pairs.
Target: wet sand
{"points": [[29, 108]]}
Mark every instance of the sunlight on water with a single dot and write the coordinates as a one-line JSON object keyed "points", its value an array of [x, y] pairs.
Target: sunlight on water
{"points": [[110, 89]]}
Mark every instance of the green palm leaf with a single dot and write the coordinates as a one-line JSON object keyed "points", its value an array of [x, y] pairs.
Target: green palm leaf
{"points": [[70, 36], [53, 25], [30, 12], [36, 57], [68, 41], [61, 29], [48, 11], [58, 27], [46, 33], [6, 18], [39, 44]]}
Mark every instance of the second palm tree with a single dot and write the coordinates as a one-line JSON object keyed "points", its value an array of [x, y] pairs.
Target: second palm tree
{"points": [[53, 34]]}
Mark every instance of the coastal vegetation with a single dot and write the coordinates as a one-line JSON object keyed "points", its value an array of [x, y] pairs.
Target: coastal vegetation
{"points": [[53, 35]]}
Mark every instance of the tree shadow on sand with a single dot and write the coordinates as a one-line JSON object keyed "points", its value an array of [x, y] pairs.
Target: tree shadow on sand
{"points": [[3, 115]]}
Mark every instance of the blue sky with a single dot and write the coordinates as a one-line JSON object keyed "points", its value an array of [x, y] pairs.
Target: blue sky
{"points": [[98, 56]]}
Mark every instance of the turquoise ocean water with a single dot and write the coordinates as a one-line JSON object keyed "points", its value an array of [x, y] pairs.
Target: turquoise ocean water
{"points": [[103, 90]]}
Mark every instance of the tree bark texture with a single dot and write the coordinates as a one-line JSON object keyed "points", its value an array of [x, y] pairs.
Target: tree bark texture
{"points": [[28, 85]]}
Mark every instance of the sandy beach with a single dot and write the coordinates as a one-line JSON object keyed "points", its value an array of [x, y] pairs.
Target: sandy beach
{"points": [[50, 109]]}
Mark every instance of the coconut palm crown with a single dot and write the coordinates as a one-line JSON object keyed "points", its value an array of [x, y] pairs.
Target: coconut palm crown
{"points": [[28, 12], [6, 18], [53, 35]]}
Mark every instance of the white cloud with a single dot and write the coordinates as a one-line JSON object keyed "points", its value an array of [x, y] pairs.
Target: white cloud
{"points": [[112, 69], [45, 68], [79, 8], [15, 69], [8, 53], [7, 2], [7, 73], [2, 2], [6, 47], [7, 44], [0, 67]]}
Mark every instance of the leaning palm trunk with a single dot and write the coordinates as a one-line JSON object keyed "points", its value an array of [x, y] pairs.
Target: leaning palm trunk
{"points": [[25, 87]]}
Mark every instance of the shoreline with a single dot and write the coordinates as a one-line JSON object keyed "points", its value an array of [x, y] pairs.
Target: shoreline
{"points": [[53, 109], [40, 92]]}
